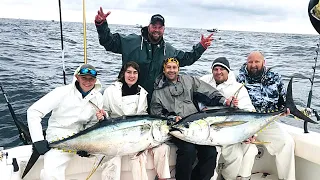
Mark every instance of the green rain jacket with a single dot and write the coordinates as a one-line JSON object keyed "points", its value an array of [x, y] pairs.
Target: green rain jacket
{"points": [[150, 57]]}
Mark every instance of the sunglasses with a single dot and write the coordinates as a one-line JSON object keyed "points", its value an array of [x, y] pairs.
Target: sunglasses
{"points": [[88, 71]]}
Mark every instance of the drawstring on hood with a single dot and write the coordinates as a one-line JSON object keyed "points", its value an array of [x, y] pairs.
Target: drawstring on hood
{"points": [[141, 43]]}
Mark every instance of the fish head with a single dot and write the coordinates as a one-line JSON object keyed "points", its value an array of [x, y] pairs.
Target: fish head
{"points": [[160, 131], [191, 131]]}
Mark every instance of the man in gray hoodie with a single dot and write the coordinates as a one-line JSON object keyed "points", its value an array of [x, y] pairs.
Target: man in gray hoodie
{"points": [[174, 97]]}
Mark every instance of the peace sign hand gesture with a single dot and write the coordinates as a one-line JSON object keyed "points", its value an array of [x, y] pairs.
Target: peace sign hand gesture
{"points": [[101, 16], [206, 41]]}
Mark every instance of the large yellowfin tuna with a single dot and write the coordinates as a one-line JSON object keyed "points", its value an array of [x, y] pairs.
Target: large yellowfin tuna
{"points": [[121, 136], [224, 127], [114, 137]]}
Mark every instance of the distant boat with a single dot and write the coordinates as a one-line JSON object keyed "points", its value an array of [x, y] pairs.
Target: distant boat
{"points": [[52, 20], [212, 30], [138, 26]]}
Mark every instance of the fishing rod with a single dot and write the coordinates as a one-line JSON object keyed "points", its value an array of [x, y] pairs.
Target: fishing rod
{"points": [[62, 49], [305, 126], [24, 134], [84, 31]]}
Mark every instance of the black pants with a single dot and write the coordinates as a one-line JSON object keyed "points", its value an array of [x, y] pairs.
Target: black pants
{"points": [[186, 155]]}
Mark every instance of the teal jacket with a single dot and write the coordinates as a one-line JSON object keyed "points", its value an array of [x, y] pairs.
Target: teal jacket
{"points": [[150, 57]]}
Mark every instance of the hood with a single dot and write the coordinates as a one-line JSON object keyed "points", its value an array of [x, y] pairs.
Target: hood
{"points": [[144, 38], [161, 82], [97, 85], [144, 35]]}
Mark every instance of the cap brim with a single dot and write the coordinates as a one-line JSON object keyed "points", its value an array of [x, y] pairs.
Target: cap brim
{"points": [[87, 74]]}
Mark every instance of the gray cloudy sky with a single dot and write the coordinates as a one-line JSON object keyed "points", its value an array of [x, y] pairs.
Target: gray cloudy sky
{"points": [[283, 16]]}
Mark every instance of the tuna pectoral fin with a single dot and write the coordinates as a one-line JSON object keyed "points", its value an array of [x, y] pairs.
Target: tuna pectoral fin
{"points": [[174, 129], [33, 159], [293, 109], [139, 153], [227, 124]]}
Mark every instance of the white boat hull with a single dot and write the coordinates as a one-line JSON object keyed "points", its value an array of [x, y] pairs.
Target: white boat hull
{"points": [[306, 156]]}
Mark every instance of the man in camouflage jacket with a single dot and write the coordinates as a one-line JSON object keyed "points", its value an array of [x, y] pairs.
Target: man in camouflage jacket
{"points": [[267, 93]]}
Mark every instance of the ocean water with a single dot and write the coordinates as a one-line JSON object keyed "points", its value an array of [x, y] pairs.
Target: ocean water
{"points": [[31, 64]]}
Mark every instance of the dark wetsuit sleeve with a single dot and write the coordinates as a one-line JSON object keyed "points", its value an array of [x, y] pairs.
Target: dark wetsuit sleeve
{"points": [[111, 42], [188, 58]]}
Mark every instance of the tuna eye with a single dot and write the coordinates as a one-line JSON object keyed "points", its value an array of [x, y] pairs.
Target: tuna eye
{"points": [[186, 125]]}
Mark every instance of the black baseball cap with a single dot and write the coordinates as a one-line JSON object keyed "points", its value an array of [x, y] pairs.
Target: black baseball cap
{"points": [[157, 18]]}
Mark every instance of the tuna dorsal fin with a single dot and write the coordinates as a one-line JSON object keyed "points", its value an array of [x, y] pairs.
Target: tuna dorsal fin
{"points": [[227, 124]]}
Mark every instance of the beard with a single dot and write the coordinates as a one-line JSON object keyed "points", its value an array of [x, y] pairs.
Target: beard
{"points": [[255, 72], [155, 39], [219, 81]]}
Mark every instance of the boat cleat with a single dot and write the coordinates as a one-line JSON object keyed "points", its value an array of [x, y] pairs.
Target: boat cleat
{"points": [[3, 154]]}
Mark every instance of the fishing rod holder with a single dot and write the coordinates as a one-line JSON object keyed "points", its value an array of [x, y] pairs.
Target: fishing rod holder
{"points": [[313, 111], [13, 162], [2, 153]]}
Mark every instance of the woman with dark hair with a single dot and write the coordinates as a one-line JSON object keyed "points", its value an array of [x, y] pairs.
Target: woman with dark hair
{"points": [[127, 97]]}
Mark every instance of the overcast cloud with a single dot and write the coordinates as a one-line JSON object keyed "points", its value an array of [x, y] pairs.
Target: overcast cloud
{"points": [[283, 16]]}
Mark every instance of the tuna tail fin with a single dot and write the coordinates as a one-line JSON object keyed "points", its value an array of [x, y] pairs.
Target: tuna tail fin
{"points": [[292, 107], [33, 159]]}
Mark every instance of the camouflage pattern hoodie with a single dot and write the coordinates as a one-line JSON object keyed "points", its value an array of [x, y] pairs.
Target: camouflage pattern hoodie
{"points": [[266, 91]]}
